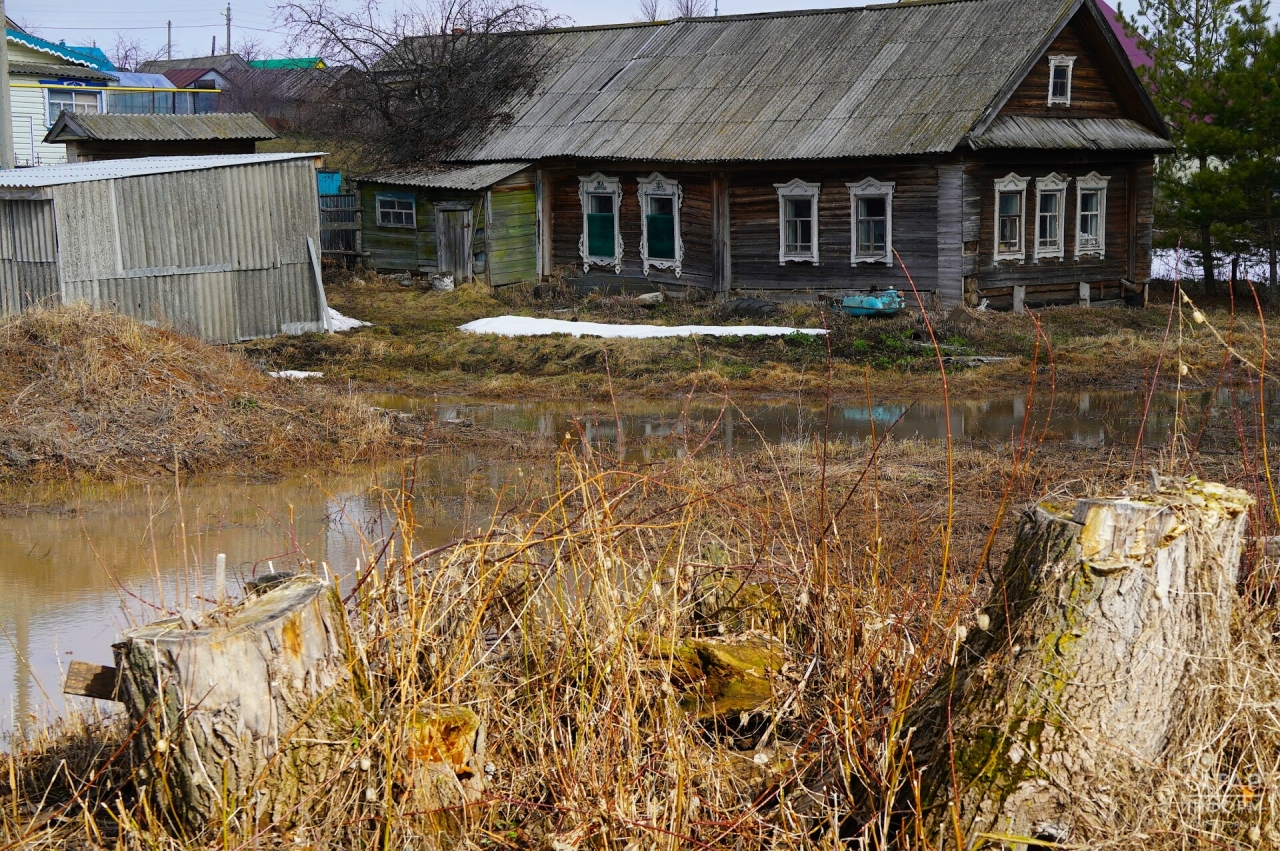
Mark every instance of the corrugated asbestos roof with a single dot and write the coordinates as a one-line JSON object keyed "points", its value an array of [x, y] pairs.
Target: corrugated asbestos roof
{"points": [[158, 127], [470, 178], [1089, 134], [904, 78], [60, 175], [72, 72]]}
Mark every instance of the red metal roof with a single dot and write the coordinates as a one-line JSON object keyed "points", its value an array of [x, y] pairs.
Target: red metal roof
{"points": [[184, 77]]}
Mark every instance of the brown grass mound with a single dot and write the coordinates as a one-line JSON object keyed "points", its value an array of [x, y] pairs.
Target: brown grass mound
{"points": [[99, 394]]}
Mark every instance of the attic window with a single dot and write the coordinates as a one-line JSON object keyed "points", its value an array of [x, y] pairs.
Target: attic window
{"points": [[601, 240], [872, 205], [660, 244], [1011, 203], [1060, 80], [797, 222]]}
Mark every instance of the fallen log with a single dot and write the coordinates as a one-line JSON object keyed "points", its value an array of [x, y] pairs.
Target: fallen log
{"points": [[242, 713], [1076, 676]]}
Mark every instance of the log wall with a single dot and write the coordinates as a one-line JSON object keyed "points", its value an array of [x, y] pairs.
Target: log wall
{"points": [[1092, 93]]}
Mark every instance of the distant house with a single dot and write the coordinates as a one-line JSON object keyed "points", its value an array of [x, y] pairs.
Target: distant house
{"points": [[223, 248], [108, 137], [472, 222], [289, 64], [979, 145]]}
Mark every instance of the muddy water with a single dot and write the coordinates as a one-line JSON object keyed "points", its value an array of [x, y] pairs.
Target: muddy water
{"points": [[72, 580]]}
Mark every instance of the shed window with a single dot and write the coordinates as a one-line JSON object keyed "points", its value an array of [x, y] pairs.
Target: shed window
{"points": [[1060, 68], [798, 221], [1091, 207], [1051, 202], [1011, 196], [601, 241], [872, 206], [71, 101], [661, 246], [396, 211]]}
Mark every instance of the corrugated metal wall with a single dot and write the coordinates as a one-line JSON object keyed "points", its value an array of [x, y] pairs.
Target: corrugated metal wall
{"points": [[219, 253], [28, 255]]}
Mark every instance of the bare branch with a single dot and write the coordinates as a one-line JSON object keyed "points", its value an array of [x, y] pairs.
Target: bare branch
{"points": [[690, 8], [649, 10]]}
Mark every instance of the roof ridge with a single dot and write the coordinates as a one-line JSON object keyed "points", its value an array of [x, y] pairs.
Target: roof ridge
{"points": [[746, 16]]}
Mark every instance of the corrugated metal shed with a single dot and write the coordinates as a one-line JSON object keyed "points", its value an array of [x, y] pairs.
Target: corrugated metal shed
{"points": [[897, 79], [472, 178], [222, 248], [59, 175], [157, 127], [1087, 134]]}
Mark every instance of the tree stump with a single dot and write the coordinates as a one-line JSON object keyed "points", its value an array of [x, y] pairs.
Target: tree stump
{"points": [[243, 713], [1078, 672]]}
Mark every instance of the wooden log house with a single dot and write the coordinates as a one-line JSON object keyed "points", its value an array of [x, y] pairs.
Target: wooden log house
{"points": [[977, 145]]}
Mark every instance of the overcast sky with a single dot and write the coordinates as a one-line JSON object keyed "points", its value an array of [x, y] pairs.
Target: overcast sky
{"points": [[195, 22]]}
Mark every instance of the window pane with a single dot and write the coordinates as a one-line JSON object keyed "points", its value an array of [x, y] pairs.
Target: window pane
{"points": [[600, 241], [659, 206], [1060, 81], [1009, 203], [871, 208], [1088, 202], [799, 208], [662, 235], [1049, 204], [602, 204], [871, 236]]}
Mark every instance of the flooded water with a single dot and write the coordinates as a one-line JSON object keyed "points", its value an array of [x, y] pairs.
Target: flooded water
{"points": [[74, 579]]}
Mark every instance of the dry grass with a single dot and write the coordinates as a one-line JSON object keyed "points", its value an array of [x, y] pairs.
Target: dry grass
{"points": [[551, 622]]}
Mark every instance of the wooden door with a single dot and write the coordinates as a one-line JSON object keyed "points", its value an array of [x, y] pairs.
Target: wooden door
{"points": [[453, 234]]}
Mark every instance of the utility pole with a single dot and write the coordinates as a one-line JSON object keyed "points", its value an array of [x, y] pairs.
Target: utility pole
{"points": [[228, 44], [6, 113], [213, 46], [168, 45]]}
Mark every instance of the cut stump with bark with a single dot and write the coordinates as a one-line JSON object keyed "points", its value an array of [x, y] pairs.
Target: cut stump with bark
{"points": [[242, 713], [1077, 675]]}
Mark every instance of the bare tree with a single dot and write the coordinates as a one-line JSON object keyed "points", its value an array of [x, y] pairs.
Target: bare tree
{"points": [[650, 10], [129, 53], [251, 49], [690, 8], [409, 85]]}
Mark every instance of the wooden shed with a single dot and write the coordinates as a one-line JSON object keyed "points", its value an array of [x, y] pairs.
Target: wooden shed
{"points": [[977, 144], [99, 136], [470, 222], [224, 248]]}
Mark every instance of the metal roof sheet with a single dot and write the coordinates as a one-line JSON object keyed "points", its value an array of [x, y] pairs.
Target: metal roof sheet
{"points": [[1091, 134], [471, 178], [903, 78], [59, 50], [60, 175], [50, 69], [137, 80], [157, 127]]}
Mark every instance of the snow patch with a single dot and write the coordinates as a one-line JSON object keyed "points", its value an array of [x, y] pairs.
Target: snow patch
{"points": [[295, 374], [527, 326], [338, 322]]}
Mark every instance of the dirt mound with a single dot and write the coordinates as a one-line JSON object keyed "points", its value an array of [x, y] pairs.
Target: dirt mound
{"points": [[99, 394]]}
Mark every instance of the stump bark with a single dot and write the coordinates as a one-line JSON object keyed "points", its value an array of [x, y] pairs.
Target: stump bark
{"points": [[242, 713], [1078, 671]]}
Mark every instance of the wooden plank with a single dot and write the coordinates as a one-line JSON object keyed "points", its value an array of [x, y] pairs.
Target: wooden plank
{"points": [[89, 680]]}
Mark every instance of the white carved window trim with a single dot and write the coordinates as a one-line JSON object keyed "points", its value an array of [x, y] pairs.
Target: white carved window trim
{"points": [[1011, 183], [1056, 62], [1092, 182], [598, 184], [1054, 184], [657, 186], [871, 188], [797, 189]]}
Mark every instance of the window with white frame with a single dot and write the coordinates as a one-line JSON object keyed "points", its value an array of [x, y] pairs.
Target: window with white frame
{"points": [[601, 241], [660, 244], [1051, 206], [871, 203], [1091, 214], [1060, 68], [1011, 202], [396, 210], [72, 101], [797, 221]]}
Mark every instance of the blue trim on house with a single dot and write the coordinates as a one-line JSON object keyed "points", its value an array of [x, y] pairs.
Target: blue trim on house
{"points": [[60, 50]]}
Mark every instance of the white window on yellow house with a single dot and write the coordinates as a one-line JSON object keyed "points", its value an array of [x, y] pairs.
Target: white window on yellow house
{"points": [[72, 101]]}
